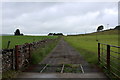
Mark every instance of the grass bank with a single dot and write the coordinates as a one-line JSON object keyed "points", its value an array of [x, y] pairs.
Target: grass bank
{"points": [[39, 54]]}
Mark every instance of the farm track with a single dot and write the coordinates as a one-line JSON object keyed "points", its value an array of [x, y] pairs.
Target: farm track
{"points": [[64, 54], [61, 55]]}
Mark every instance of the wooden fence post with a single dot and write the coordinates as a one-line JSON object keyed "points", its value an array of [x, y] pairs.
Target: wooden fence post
{"points": [[16, 57], [8, 44], [98, 52], [108, 57]]}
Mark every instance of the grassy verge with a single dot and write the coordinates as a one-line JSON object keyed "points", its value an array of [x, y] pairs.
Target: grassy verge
{"points": [[39, 54], [9, 74]]}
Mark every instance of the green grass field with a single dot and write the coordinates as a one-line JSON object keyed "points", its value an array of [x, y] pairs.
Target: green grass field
{"points": [[19, 40], [88, 46]]}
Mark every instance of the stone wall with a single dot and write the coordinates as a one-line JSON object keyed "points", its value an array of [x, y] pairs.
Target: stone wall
{"points": [[8, 59]]}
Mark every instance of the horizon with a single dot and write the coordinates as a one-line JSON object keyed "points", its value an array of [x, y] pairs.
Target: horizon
{"points": [[56, 32]]}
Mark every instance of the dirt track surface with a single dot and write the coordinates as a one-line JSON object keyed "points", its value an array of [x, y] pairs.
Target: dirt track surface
{"points": [[63, 53]]}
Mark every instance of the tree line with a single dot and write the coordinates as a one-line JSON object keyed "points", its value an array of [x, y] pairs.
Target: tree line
{"points": [[100, 28]]}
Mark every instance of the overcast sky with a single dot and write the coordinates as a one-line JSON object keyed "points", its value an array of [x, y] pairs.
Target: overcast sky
{"points": [[66, 17]]}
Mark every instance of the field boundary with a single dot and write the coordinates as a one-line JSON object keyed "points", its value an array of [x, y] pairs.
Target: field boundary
{"points": [[110, 62], [20, 57]]}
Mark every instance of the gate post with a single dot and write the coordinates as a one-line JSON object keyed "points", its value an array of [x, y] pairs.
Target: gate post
{"points": [[12, 50], [16, 57], [108, 57], [98, 52]]}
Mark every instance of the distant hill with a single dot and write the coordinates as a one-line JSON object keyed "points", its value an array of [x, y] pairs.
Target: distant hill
{"points": [[104, 32], [107, 32]]}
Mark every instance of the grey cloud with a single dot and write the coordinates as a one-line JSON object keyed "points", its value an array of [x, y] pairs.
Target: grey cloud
{"points": [[56, 17]]}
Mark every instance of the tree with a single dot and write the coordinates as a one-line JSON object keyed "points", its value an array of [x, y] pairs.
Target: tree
{"points": [[17, 32], [50, 34], [100, 28], [55, 34]]}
